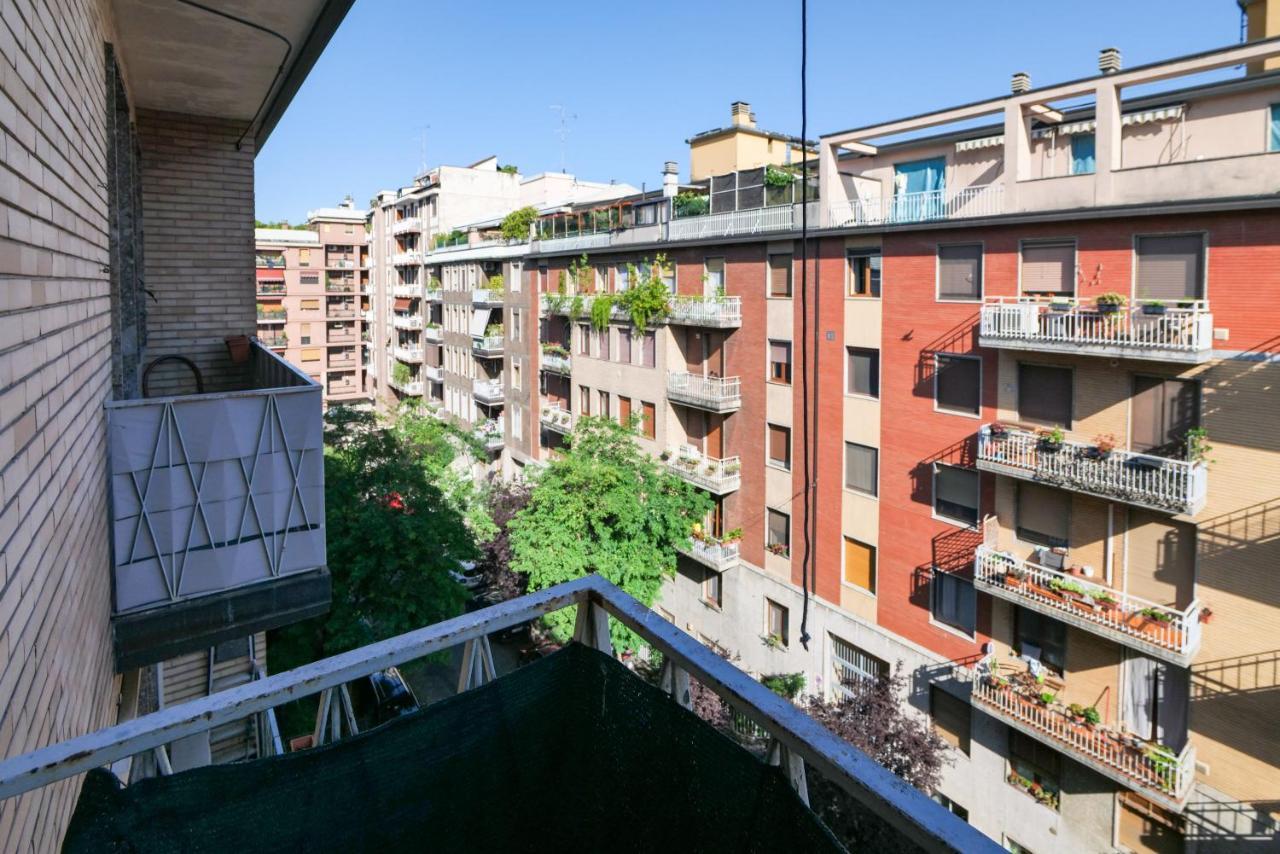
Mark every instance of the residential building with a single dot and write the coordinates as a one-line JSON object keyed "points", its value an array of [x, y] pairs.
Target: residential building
{"points": [[741, 145]]}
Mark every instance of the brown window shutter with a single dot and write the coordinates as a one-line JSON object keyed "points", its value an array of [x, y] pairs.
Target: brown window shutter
{"points": [[624, 409], [959, 383], [649, 417], [1049, 268], [1044, 395], [780, 275], [951, 717], [1043, 514], [860, 564], [960, 272], [1163, 412], [780, 445], [1171, 268]]}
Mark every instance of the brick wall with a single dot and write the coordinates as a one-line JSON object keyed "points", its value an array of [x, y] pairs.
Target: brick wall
{"points": [[56, 676]]}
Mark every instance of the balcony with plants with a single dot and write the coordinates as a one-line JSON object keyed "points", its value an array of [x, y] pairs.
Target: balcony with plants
{"points": [[717, 553], [555, 358], [271, 287], [274, 340], [492, 294], [556, 419], [714, 394], [408, 352], [717, 476], [433, 333], [489, 433], [717, 311], [339, 285], [490, 344], [405, 379], [1099, 468], [338, 308], [487, 390], [434, 292], [271, 313], [747, 202], [269, 260]]}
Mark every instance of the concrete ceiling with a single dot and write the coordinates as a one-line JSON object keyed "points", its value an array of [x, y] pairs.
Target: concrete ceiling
{"points": [[184, 59]]}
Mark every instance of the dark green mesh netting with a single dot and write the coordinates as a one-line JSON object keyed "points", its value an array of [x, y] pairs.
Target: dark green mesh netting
{"points": [[572, 753]]}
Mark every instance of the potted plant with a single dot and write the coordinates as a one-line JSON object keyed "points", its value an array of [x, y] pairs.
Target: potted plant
{"points": [[1060, 304], [1013, 576], [1198, 446], [1110, 302], [1051, 440], [1076, 711], [238, 347], [778, 549], [1103, 445], [1154, 307], [1105, 601], [1206, 615], [732, 537], [1046, 698], [1091, 716], [998, 430]]}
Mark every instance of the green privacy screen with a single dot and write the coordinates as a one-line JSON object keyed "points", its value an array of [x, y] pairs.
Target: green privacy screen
{"points": [[572, 753]]}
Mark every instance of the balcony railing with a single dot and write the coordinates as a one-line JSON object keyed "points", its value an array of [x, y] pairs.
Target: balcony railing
{"points": [[719, 477], [800, 741], [721, 557], [406, 259], [487, 346], [409, 223], [435, 373], [1147, 330], [487, 390], [558, 363], [191, 476], [433, 295], [1164, 778], [733, 223], [599, 240], [339, 287], [344, 263], [489, 434], [976, 201], [408, 354], [487, 296], [556, 419], [274, 341], [406, 291], [275, 315], [1156, 630], [717, 394], [433, 333], [1158, 483], [409, 387], [340, 309], [273, 288], [717, 312], [406, 321]]}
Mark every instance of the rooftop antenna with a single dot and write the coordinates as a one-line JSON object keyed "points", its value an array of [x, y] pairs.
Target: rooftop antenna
{"points": [[422, 137], [563, 132]]}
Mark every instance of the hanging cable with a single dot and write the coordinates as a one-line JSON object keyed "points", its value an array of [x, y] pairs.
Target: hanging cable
{"points": [[807, 566]]}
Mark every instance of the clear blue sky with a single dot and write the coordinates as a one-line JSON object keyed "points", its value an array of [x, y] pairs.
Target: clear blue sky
{"points": [[643, 77]]}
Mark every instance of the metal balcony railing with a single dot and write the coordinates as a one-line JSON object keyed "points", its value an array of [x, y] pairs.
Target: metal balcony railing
{"points": [[719, 477], [271, 287], [556, 419], [1146, 330], [487, 390], [717, 394], [1159, 483], [598, 240], [277, 315], [975, 201], [490, 434], [487, 345], [721, 557], [274, 341], [339, 287], [795, 738], [409, 387], [717, 312], [342, 263], [487, 296], [1157, 630], [732, 223]]}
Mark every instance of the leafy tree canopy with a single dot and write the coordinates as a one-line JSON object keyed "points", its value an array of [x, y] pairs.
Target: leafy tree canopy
{"points": [[515, 225]]}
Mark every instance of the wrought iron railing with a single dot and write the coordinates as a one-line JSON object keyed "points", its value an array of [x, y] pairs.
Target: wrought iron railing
{"points": [[718, 394], [975, 201], [718, 476], [717, 311]]}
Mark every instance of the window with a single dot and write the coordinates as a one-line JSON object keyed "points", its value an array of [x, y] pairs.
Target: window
{"points": [[309, 279], [780, 362], [957, 384], [1016, 847], [1147, 827], [953, 601], [304, 257], [1045, 395], [1162, 411], [517, 427], [584, 339], [780, 275], [864, 371], [648, 420], [310, 305], [624, 411], [960, 272], [584, 400], [715, 276], [304, 331], [860, 565], [855, 669], [604, 404], [1043, 514], [515, 375], [956, 810], [232, 649], [515, 324], [1273, 134], [646, 214], [861, 468], [312, 355], [712, 589], [621, 277], [1034, 763], [1049, 267], [864, 274], [605, 335], [1171, 267], [955, 494], [780, 446], [777, 622], [778, 533], [649, 350], [624, 346], [1041, 638], [1083, 146], [951, 717]]}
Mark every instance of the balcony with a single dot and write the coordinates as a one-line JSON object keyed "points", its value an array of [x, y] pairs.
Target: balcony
{"points": [[340, 262], [339, 286], [1159, 631], [487, 297], [556, 420], [1157, 483], [1142, 767], [270, 287], [433, 333], [406, 321], [719, 477], [340, 363], [367, 315], [487, 391], [434, 373], [714, 394], [735, 223], [272, 315], [556, 721], [407, 224], [217, 512], [408, 353], [974, 201], [556, 360], [410, 387], [433, 295], [487, 346], [711, 553], [341, 310], [576, 243], [274, 341], [489, 434], [1147, 330], [715, 312], [406, 291], [406, 259]]}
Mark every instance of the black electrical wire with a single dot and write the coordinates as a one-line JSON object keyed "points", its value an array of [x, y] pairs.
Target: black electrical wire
{"points": [[807, 566], [284, 63]]}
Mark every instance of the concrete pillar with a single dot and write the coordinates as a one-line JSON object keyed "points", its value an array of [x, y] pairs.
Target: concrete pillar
{"points": [[1107, 157], [1017, 153], [830, 187]]}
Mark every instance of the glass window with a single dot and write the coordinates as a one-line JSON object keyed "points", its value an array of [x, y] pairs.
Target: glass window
{"points": [[604, 404], [780, 446], [957, 383], [715, 276], [778, 534], [780, 275], [1035, 764], [649, 352], [953, 601], [622, 277], [584, 339], [712, 589], [648, 419], [860, 564], [1043, 514], [864, 274], [1171, 267], [861, 468], [1045, 395], [1273, 135], [1083, 146], [960, 272], [955, 493], [778, 621], [780, 362], [855, 669], [1042, 639], [864, 371], [951, 717]]}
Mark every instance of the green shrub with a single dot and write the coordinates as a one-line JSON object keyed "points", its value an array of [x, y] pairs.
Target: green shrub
{"points": [[515, 225]]}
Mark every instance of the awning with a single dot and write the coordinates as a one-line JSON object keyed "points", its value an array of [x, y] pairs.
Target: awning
{"points": [[401, 304], [1139, 117], [479, 321], [984, 142]]}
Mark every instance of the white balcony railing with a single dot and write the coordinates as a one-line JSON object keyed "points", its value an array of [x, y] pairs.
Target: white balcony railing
{"points": [[406, 321], [556, 363], [409, 223], [406, 259], [409, 354], [486, 296], [433, 333], [721, 557], [431, 295], [733, 223], [575, 243], [718, 312], [410, 387], [976, 201], [406, 291], [489, 433], [1157, 630], [1148, 329], [487, 345], [1159, 483], [435, 373], [719, 477], [556, 419], [487, 390], [717, 394]]}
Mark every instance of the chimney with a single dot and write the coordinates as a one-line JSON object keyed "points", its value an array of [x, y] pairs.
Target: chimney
{"points": [[1021, 82], [670, 179], [1109, 60], [740, 115]]}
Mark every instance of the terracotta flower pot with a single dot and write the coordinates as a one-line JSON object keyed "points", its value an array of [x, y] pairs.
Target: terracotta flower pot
{"points": [[238, 346]]}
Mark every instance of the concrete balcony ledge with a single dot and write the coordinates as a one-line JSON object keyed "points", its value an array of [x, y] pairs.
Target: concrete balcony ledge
{"points": [[433, 295], [435, 373], [1160, 631], [406, 291], [409, 387], [715, 394], [487, 346], [409, 354], [1182, 332], [557, 420], [409, 223], [719, 556], [1144, 480], [406, 259], [556, 363], [718, 312], [487, 296], [433, 333], [719, 477], [487, 391], [406, 321]]}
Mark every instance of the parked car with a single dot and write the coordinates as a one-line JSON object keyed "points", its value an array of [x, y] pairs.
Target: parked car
{"points": [[380, 697], [468, 575]]}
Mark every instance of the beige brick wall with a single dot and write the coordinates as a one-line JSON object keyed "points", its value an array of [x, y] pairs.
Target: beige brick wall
{"points": [[56, 676]]}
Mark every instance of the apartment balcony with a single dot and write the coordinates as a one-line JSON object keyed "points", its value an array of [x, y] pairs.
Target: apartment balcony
{"points": [[576, 243], [341, 310], [487, 297], [1146, 330], [714, 394], [407, 224], [1144, 480], [274, 341], [367, 315], [1159, 631], [488, 391], [434, 373], [343, 363], [406, 321], [489, 434], [975, 201], [271, 288], [406, 291], [410, 387], [342, 263], [735, 223], [406, 259], [339, 286], [714, 312], [272, 315], [1142, 767], [433, 295], [719, 477], [217, 512], [556, 420], [408, 353], [556, 361], [711, 553], [487, 346], [433, 333]]}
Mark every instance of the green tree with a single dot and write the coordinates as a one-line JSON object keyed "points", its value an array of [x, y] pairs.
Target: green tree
{"points": [[515, 225], [606, 507]]}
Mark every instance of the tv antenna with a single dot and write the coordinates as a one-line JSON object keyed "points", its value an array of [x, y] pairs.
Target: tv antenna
{"points": [[563, 132], [422, 139]]}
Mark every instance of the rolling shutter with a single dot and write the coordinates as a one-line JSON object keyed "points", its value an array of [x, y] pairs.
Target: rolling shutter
{"points": [[1049, 268], [1171, 268], [860, 564], [960, 272]]}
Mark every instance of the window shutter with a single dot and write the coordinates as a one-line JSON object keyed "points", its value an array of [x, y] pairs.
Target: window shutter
{"points": [[1044, 395], [957, 486], [1043, 514], [860, 464], [951, 716], [960, 272], [780, 275], [311, 355], [1170, 268], [959, 383], [780, 445], [624, 409], [864, 371], [860, 564], [1049, 268]]}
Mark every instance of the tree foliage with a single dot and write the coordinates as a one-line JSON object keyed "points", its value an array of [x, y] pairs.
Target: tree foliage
{"points": [[516, 225], [648, 299], [605, 507], [501, 583], [689, 203]]}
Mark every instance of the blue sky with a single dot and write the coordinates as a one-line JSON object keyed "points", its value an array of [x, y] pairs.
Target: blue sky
{"points": [[480, 78]]}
